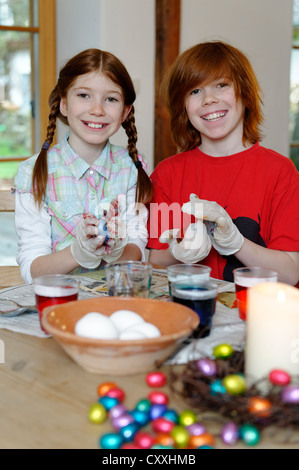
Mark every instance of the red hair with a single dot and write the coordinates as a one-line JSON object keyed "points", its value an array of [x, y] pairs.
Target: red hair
{"points": [[200, 65]]}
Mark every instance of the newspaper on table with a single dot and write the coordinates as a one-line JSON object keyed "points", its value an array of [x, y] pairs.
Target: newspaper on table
{"points": [[227, 327]]}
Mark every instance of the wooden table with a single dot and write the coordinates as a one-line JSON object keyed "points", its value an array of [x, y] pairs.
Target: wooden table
{"points": [[45, 398]]}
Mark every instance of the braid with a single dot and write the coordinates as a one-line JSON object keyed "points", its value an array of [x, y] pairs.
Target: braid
{"points": [[144, 189], [40, 170]]}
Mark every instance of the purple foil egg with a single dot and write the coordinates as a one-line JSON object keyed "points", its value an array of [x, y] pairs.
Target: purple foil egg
{"points": [[230, 433], [116, 411], [290, 394], [196, 429], [206, 366], [122, 421]]}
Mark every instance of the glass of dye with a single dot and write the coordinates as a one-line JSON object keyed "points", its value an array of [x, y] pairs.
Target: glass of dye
{"points": [[54, 289], [178, 272], [248, 277], [201, 297], [129, 278]]}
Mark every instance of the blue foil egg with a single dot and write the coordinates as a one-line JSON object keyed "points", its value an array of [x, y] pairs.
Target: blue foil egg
{"points": [[141, 417], [111, 441], [128, 432], [171, 415], [217, 387], [108, 402], [157, 410]]}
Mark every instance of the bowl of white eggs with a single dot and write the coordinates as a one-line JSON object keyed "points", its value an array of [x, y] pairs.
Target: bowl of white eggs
{"points": [[119, 335]]}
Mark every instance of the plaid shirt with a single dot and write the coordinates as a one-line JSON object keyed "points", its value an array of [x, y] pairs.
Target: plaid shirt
{"points": [[74, 187]]}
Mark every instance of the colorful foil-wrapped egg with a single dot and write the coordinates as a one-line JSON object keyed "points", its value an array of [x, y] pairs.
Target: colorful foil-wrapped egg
{"points": [[180, 436], [206, 366], [290, 394], [156, 379], [144, 440], [230, 433], [279, 377], [205, 439], [117, 393], [249, 434], [104, 387], [234, 384], [217, 387], [158, 398], [111, 441], [187, 417], [259, 406], [97, 413], [162, 425], [222, 351]]}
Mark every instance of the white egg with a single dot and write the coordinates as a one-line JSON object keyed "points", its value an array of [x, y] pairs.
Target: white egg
{"points": [[147, 329], [97, 326], [123, 319], [131, 334]]}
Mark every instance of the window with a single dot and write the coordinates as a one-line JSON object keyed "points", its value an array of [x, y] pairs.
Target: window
{"points": [[27, 76], [294, 89]]}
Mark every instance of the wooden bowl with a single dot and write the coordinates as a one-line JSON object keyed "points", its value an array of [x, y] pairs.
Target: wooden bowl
{"points": [[120, 357]]}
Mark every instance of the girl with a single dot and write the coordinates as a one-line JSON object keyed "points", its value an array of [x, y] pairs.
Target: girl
{"points": [[61, 193], [247, 195]]}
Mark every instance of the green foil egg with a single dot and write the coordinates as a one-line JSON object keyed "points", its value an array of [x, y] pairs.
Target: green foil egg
{"points": [[222, 351], [234, 384]]}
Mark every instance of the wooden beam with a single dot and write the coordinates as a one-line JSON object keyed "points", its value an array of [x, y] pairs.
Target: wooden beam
{"points": [[47, 59], [168, 13]]}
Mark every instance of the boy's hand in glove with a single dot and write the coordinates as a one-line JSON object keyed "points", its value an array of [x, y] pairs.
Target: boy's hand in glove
{"points": [[195, 245], [225, 236]]}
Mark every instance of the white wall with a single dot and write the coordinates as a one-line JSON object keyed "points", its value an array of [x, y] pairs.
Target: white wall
{"points": [[261, 29]]}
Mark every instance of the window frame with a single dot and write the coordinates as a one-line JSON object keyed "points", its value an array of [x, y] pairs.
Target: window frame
{"points": [[46, 61]]}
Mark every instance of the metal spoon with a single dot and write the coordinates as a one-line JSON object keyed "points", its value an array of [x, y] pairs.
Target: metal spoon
{"points": [[18, 311]]}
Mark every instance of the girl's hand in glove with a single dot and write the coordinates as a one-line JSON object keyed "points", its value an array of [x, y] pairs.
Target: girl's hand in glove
{"points": [[195, 245], [87, 248], [226, 238]]}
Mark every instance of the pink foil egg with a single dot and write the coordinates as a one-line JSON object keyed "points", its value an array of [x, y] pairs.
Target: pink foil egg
{"points": [[290, 394], [206, 366], [162, 425], [230, 433], [279, 377], [117, 393], [156, 379], [144, 440], [158, 398]]}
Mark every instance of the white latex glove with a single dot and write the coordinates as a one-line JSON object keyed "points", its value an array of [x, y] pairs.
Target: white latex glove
{"points": [[195, 245], [87, 248], [225, 236]]}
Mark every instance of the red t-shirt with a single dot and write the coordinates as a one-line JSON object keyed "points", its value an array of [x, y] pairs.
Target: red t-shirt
{"points": [[258, 187]]}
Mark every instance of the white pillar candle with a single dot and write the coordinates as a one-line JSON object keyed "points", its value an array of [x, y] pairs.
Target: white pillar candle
{"points": [[272, 331]]}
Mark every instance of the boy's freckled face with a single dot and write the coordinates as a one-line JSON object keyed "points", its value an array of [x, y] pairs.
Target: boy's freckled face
{"points": [[215, 112], [94, 107]]}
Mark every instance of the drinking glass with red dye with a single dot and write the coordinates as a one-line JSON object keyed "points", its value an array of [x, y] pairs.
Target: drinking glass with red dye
{"points": [[248, 277], [54, 289]]}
